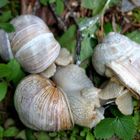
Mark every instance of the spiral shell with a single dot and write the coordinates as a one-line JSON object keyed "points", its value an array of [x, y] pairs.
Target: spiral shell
{"points": [[32, 43], [118, 56], [42, 106]]}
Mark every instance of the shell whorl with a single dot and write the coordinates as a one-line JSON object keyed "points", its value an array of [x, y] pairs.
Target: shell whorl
{"points": [[42, 106], [32, 43], [112, 47]]}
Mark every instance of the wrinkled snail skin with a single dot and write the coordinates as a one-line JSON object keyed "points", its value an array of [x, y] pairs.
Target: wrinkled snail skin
{"points": [[114, 91], [118, 56], [41, 105], [32, 43], [72, 78], [81, 93]]}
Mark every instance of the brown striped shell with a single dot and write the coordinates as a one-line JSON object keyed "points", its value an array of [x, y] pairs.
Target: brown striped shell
{"points": [[41, 105], [32, 43]]}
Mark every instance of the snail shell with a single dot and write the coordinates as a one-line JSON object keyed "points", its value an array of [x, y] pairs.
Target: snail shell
{"points": [[119, 56], [42, 106], [32, 44], [81, 93], [5, 47]]}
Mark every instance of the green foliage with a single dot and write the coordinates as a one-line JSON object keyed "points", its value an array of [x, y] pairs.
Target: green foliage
{"points": [[11, 132], [86, 49], [16, 74], [121, 126], [68, 39], [3, 3], [114, 2], [29, 134], [3, 90], [10, 72], [134, 35], [101, 132], [6, 14], [21, 135], [136, 15], [45, 2], [1, 132], [95, 5], [59, 7]]}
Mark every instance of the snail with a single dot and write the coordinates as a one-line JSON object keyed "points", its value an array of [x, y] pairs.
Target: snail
{"points": [[117, 56], [32, 44], [115, 92], [41, 105], [82, 95]]}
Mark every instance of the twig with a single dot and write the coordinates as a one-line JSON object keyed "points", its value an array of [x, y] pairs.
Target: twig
{"points": [[27, 6], [114, 23], [78, 34], [60, 21], [23, 6]]}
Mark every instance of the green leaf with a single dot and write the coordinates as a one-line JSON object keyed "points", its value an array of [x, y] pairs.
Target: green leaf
{"points": [[90, 136], [44, 2], [16, 72], [21, 135], [86, 49], [7, 27], [114, 2], [89, 26], [135, 36], [11, 132], [3, 3], [59, 7], [136, 118], [108, 28], [5, 16], [89, 4], [29, 134], [3, 90], [52, 134], [105, 129], [43, 136], [95, 5], [68, 39], [124, 127], [5, 71], [1, 132]]}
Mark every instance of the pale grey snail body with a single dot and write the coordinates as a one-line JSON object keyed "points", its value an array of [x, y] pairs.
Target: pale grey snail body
{"points": [[32, 44], [82, 95], [119, 56]]}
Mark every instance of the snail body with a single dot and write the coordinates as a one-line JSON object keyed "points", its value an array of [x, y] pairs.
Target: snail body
{"points": [[118, 56], [32, 43], [81, 93]]}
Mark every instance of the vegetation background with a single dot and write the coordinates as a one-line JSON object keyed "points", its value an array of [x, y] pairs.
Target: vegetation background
{"points": [[78, 25]]}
